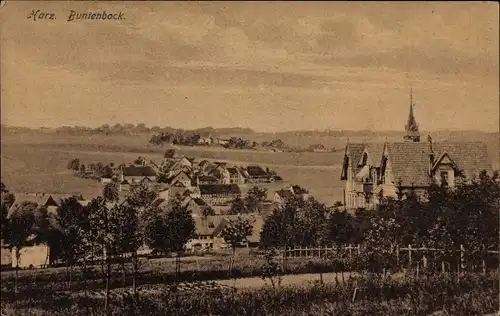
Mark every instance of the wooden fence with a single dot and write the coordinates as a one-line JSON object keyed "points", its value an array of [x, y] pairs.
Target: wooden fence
{"points": [[405, 256]]}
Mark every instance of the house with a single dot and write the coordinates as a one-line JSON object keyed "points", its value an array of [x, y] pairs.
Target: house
{"points": [[176, 191], [6, 255], [195, 192], [257, 222], [235, 176], [209, 229], [205, 141], [105, 181], [221, 141], [36, 256], [182, 162], [317, 148], [41, 199], [219, 194], [207, 180], [281, 195], [160, 203], [258, 175], [372, 172], [197, 206], [164, 194], [207, 234], [136, 174], [124, 186], [219, 171], [202, 165], [181, 177]]}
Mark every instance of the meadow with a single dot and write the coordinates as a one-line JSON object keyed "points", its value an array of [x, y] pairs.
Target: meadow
{"points": [[36, 161], [306, 286], [458, 295]]}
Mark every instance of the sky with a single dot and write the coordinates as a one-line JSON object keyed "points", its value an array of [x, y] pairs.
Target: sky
{"points": [[267, 66]]}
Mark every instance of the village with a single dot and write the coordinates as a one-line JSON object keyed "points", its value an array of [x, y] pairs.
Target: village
{"points": [[216, 193], [212, 192]]}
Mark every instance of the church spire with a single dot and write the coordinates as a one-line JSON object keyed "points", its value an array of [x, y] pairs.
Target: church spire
{"points": [[411, 129]]}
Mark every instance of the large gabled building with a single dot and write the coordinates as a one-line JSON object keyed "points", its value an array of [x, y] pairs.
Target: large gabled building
{"points": [[374, 171]]}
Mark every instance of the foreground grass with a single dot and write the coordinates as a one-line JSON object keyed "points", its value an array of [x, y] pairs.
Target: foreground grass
{"points": [[155, 271], [472, 294]]}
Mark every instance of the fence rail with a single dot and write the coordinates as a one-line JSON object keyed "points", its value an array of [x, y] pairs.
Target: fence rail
{"points": [[408, 260]]}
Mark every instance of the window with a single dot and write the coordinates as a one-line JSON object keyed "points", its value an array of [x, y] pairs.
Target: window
{"points": [[365, 159], [444, 178]]}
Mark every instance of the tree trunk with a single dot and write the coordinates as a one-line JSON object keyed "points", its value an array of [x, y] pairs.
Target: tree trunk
{"points": [[231, 262], [67, 275], [18, 256], [108, 279], [124, 280], [85, 276], [134, 273], [70, 276], [177, 267]]}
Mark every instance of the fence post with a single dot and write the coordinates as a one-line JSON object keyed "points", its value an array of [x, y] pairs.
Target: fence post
{"points": [[443, 269], [359, 250], [409, 255], [462, 257], [397, 255], [300, 251], [483, 262], [424, 257], [350, 251]]}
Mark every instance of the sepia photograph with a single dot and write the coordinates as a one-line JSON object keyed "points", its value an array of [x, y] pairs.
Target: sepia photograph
{"points": [[249, 158]]}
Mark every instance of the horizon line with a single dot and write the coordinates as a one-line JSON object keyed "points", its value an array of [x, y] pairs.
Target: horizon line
{"points": [[252, 130]]}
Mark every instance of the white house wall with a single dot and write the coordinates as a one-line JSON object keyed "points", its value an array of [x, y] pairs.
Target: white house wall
{"points": [[36, 256]]}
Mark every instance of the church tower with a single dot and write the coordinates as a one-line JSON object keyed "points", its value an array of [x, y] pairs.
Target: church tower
{"points": [[411, 128]]}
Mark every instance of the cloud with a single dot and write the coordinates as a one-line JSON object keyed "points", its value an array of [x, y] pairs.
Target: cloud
{"points": [[439, 61]]}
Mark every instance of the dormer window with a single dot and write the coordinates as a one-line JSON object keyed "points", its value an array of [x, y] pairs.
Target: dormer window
{"points": [[444, 178], [365, 159]]}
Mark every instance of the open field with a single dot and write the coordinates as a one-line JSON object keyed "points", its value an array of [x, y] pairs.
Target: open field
{"points": [[36, 162]]}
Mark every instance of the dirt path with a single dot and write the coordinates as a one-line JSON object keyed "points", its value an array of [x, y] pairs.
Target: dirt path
{"points": [[287, 280]]}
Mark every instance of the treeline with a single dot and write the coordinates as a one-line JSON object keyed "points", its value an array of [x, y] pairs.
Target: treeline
{"points": [[179, 137], [192, 138], [93, 170], [448, 219], [239, 143]]}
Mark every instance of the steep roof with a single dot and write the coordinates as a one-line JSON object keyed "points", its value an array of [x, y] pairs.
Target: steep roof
{"points": [[353, 152], [207, 225], [219, 189], [203, 163], [470, 157], [285, 193], [139, 171], [233, 171], [199, 202], [410, 161], [256, 172], [39, 199], [207, 178], [375, 151]]}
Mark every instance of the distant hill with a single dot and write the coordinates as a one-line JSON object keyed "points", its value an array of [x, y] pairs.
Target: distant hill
{"points": [[334, 139]]}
